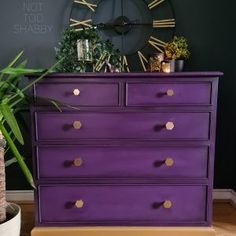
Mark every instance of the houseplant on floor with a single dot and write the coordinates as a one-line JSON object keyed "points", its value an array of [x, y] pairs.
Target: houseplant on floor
{"points": [[177, 51], [11, 99]]}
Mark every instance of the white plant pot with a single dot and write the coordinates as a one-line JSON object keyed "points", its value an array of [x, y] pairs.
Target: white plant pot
{"points": [[12, 227]]}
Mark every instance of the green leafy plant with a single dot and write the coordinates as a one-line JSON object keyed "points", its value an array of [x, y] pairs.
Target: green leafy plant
{"points": [[177, 48], [12, 98], [68, 49]]}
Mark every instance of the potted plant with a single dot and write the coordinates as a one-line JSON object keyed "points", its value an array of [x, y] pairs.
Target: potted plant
{"points": [[11, 99], [177, 50], [100, 52]]}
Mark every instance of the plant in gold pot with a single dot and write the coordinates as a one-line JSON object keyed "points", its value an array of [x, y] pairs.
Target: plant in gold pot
{"points": [[12, 97], [177, 50]]}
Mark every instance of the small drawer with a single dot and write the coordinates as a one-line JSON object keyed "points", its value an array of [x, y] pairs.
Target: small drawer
{"points": [[79, 94], [152, 94], [122, 204], [56, 126], [121, 162]]}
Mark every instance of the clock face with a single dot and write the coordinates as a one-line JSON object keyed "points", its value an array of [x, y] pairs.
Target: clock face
{"points": [[138, 28]]}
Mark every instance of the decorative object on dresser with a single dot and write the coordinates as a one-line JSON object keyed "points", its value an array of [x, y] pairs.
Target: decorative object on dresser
{"points": [[155, 62], [137, 28], [177, 52], [85, 51], [168, 66], [138, 152]]}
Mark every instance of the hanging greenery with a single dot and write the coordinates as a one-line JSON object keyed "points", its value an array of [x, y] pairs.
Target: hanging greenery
{"points": [[103, 51]]}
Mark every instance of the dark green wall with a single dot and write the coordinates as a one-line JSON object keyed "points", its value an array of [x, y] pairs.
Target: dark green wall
{"points": [[207, 24], [209, 27]]}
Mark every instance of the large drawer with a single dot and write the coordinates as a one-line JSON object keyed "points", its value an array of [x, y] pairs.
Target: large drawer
{"points": [[121, 162], [117, 204], [131, 125], [151, 94], [80, 94]]}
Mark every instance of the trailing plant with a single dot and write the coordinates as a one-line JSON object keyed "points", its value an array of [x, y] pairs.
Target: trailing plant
{"points": [[12, 97], [68, 49], [177, 48]]}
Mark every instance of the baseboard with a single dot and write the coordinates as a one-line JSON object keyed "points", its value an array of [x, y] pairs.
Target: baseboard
{"points": [[225, 195], [234, 198], [20, 196], [28, 195]]}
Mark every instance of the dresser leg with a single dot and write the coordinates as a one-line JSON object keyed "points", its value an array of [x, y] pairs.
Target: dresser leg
{"points": [[123, 231]]}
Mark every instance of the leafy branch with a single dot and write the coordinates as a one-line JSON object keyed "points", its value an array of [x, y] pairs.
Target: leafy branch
{"points": [[68, 49], [11, 97]]}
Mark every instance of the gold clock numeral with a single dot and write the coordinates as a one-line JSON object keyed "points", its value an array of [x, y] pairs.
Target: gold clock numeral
{"points": [[91, 6], [143, 60], [157, 43], [80, 24], [167, 23], [125, 64], [155, 3]]}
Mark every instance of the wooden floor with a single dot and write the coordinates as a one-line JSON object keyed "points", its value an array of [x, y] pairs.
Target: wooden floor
{"points": [[224, 219], [224, 215]]}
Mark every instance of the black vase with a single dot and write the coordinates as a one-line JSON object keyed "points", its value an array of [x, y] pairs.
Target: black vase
{"points": [[179, 65]]}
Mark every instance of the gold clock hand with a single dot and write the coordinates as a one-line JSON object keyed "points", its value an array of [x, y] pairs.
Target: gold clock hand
{"points": [[124, 23], [166, 23]]}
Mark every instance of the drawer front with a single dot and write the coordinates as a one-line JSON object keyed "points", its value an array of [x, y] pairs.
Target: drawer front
{"points": [[131, 204], [81, 94], [159, 93], [121, 162], [72, 126]]}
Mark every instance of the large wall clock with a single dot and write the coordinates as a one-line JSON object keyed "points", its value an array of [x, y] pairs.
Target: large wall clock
{"points": [[138, 28]]}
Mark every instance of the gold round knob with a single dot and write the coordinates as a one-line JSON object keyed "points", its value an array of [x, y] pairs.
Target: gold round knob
{"points": [[170, 125], [167, 204], [79, 204], [169, 161], [170, 92], [77, 125], [76, 92], [78, 162]]}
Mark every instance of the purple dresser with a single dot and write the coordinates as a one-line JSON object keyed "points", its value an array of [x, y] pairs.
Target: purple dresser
{"points": [[133, 149]]}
